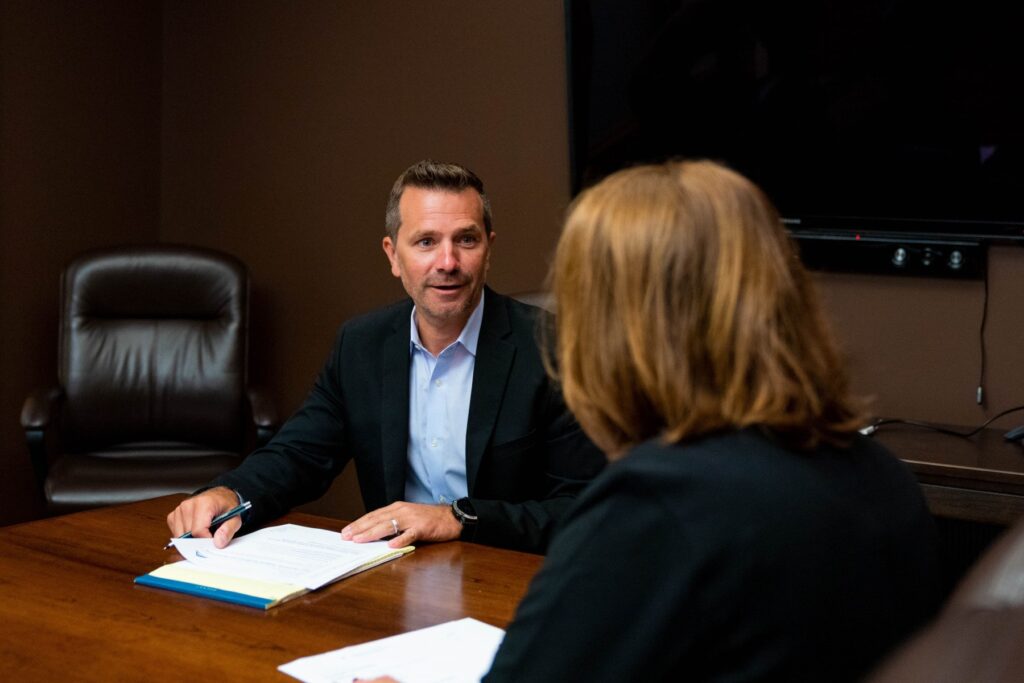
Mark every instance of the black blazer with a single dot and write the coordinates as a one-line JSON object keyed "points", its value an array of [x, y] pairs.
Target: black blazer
{"points": [[731, 558], [526, 457]]}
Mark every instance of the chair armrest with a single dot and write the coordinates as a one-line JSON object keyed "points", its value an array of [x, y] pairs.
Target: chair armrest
{"points": [[40, 407], [37, 413], [264, 414]]}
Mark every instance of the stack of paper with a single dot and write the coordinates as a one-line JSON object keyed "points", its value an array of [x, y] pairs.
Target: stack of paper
{"points": [[454, 652], [268, 566]]}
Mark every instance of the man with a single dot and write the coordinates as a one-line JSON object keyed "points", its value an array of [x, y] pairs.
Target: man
{"points": [[442, 400]]}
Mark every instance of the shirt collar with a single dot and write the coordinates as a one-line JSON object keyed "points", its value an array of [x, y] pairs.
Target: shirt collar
{"points": [[469, 337]]}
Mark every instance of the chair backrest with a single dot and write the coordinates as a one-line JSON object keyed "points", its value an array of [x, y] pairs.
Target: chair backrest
{"points": [[153, 347], [996, 581], [537, 297], [978, 635]]}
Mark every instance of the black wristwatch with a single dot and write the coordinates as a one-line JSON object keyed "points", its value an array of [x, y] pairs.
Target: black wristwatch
{"points": [[464, 512]]}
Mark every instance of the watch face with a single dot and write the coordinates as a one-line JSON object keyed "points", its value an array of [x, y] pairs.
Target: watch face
{"points": [[464, 511]]}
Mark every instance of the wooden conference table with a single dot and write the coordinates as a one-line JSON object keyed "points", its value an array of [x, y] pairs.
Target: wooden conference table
{"points": [[69, 609]]}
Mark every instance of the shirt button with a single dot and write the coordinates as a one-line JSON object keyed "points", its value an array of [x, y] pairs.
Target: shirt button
{"points": [[433, 443], [438, 382]]}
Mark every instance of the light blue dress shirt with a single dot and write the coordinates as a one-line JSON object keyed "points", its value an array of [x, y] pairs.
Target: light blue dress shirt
{"points": [[439, 393]]}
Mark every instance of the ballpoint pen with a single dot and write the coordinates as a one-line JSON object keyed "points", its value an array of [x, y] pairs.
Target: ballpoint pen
{"points": [[219, 519]]}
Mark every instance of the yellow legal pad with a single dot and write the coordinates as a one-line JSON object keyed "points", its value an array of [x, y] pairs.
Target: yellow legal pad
{"points": [[187, 577]]}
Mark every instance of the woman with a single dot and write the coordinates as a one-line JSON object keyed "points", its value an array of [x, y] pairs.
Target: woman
{"points": [[745, 530]]}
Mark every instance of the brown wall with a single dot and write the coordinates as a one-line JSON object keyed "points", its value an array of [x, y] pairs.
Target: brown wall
{"points": [[914, 343], [79, 168], [282, 126]]}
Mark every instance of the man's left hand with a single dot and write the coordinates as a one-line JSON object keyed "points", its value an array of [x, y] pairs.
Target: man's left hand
{"points": [[414, 521]]}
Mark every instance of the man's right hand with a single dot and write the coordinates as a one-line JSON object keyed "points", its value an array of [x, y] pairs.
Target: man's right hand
{"points": [[194, 514]]}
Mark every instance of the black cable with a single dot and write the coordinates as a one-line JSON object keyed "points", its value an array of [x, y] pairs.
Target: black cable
{"points": [[980, 394], [873, 427]]}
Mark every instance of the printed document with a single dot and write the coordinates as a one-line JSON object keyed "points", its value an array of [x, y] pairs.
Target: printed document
{"points": [[288, 553], [454, 652]]}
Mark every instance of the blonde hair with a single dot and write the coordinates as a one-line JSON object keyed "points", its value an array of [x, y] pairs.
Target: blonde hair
{"points": [[682, 310]]}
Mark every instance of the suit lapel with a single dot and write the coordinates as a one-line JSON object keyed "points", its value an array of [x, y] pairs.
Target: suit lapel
{"points": [[394, 436], [494, 358]]}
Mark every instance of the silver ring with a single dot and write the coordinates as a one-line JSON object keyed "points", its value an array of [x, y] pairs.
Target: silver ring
{"points": [[394, 525]]}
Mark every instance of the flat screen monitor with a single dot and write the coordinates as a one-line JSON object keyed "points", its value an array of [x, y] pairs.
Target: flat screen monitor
{"points": [[861, 119]]}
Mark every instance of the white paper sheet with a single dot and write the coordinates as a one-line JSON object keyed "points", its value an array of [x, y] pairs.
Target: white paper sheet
{"points": [[453, 652], [288, 553]]}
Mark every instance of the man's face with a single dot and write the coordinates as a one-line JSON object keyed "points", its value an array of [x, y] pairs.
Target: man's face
{"points": [[441, 253]]}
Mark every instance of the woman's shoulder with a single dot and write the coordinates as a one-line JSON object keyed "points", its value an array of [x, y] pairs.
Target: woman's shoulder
{"points": [[752, 465], [712, 453], [741, 448]]}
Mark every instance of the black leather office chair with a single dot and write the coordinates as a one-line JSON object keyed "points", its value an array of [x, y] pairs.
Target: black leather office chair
{"points": [[977, 637], [152, 394]]}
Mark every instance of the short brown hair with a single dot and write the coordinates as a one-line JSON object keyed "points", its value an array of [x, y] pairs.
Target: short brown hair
{"points": [[433, 175], [682, 309]]}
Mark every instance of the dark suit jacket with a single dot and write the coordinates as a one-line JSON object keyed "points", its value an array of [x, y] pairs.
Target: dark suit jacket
{"points": [[526, 457], [732, 558]]}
